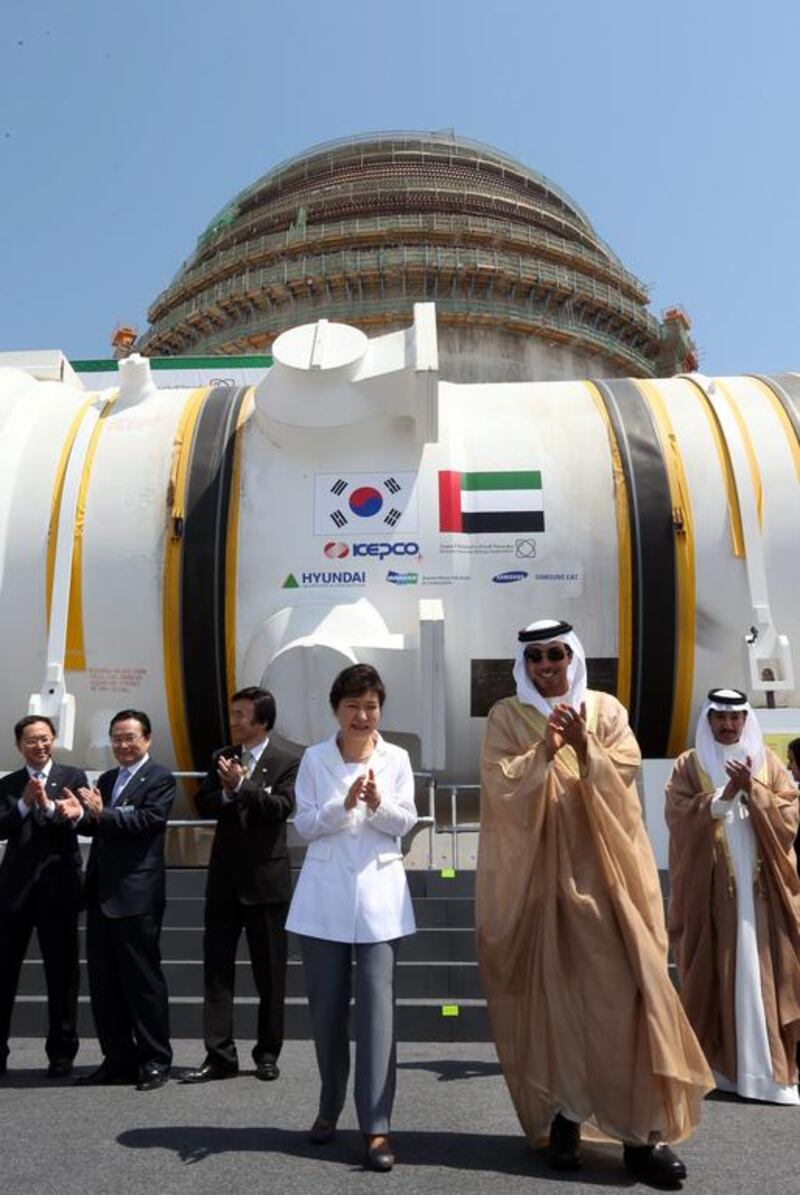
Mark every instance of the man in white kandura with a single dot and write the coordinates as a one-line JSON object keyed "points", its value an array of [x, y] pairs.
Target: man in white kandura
{"points": [[734, 914]]}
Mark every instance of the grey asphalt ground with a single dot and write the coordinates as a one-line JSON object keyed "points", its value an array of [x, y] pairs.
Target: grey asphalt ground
{"points": [[455, 1132]]}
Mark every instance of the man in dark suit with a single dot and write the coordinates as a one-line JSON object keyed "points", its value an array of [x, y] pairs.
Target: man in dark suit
{"points": [[126, 815], [250, 791], [40, 887]]}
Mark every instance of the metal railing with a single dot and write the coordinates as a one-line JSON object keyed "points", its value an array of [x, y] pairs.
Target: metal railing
{"points": [[426, 823], [430, 225], [447, 143], [458, 827], [531, 316], [514, 268]]}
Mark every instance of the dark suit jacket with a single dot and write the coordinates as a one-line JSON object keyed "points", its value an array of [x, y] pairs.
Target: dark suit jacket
{"points": [[125, 869], [42, 859], [249, 858]]}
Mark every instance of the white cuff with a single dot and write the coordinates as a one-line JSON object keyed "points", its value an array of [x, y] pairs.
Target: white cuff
{"points": [[722, 810]]}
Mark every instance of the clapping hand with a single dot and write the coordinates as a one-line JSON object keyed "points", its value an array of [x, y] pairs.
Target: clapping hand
{"points": [[566, 725], [230, 772], [369, 792], [91, 800], [553, 737], [40, 797], [740, 778], [354, 792], [34, 794], [363, 789], [68, 806]]}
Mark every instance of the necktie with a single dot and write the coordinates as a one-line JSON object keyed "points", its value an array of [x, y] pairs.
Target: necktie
{"points": [[38, 813], [248, 762], [121, 781]]}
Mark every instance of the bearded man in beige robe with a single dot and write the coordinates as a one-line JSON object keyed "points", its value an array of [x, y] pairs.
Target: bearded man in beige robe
{"points": [[734, 911], [571, 938]]}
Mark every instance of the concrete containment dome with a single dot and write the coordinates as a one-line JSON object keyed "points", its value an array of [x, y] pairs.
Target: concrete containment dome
{"points": [[358, 230]]}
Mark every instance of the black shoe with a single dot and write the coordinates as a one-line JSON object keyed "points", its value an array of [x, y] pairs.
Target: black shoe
{"points": [[106, 1076], [656, 1164], [563, 1152], [267, 1070], [378, 1154], [151, 1077], [322, 1131], [209, 1072], [59, 1068], [3, 1067]]}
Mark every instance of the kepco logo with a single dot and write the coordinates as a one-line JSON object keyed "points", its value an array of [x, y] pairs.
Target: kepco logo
{"points": [[336, 551], [382, 550]]}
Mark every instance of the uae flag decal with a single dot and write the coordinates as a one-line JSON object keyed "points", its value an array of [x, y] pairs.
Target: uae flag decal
{"points": [[491, 503]]}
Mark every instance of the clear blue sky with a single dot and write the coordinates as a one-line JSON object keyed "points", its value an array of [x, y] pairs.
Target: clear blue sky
{"points": [[125, 126]]}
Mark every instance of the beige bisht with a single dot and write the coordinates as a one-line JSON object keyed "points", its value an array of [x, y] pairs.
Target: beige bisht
{"points": [[703, 914], [571, 937]]}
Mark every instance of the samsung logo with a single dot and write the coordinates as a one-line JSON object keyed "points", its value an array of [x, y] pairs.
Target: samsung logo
{"points": [[515, 574]]}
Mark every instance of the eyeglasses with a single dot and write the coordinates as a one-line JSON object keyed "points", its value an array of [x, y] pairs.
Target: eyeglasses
{"points": [[554, 654]]}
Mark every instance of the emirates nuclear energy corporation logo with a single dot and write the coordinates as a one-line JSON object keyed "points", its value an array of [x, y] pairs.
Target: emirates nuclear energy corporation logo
{"points": [[336, 551]]}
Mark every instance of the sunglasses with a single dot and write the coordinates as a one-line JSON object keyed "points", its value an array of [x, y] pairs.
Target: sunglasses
{"points": [[554, 654]]}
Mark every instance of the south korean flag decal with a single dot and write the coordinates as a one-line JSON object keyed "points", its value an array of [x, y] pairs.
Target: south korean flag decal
{"points": [[365, 503]]}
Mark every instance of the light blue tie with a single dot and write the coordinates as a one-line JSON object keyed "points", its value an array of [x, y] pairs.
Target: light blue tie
{"points": [[122, 780], [39, 814]]}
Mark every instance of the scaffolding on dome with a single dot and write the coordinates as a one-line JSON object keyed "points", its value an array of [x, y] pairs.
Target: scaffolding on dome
{"points": [[361, 228]]}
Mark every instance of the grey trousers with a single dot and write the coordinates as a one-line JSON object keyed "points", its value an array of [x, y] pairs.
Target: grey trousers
{"points": [[328, 973]]}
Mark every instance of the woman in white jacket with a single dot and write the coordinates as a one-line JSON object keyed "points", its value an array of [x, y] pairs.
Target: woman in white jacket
{"points": [[354, 800]]}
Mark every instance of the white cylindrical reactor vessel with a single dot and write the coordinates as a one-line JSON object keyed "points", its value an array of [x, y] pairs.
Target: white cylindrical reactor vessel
{"points": [[348, 508]]}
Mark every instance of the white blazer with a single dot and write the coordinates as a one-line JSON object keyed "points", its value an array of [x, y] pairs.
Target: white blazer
{"points": [[352, 886]]}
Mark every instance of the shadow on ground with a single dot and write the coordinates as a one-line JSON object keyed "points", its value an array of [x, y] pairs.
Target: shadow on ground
{"points": [[460, 1151], [447, 1069]]}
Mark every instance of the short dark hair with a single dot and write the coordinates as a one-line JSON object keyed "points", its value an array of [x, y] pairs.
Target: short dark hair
{"points": [[29, 720], [137, 715], [794, 747], [355, 681], [263, 702]]}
